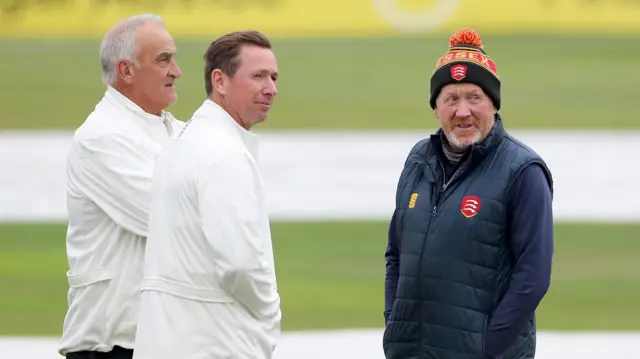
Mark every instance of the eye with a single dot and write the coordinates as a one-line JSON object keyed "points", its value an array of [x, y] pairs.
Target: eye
{"points": [[474, 98], [451, 99], [165, 57]]}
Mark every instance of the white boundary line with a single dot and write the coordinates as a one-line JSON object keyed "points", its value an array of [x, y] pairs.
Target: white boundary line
{"points": [[367, 344], [348, 175]]}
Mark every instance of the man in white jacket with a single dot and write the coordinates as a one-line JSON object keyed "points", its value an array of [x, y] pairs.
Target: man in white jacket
{"points": [[209, 288], [109, 177]]}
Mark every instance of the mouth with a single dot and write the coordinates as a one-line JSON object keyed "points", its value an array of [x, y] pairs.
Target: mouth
{"points": [[169, 85], [464, 127], [264, 104]]}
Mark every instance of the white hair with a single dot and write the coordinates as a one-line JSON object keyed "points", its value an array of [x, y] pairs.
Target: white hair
{"points": [[120, 44]]}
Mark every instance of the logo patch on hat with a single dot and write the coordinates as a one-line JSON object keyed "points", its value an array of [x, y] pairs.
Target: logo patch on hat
{"points": [[458, 72], [470, 206]]}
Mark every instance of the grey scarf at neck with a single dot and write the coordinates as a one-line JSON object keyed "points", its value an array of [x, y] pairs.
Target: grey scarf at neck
{"points": [[452, 155]]}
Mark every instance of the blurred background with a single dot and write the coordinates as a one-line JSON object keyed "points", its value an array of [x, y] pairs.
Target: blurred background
{"points": [[353, 99]]}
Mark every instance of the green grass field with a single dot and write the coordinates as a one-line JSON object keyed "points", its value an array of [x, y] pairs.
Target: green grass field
{"points": [[331, 276], [350, 84]]}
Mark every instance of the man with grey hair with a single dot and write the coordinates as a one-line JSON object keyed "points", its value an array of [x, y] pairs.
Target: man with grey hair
{"points": [[109, 175]]}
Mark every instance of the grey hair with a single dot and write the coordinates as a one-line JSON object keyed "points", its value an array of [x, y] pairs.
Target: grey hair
{"points": [[120, 44]]}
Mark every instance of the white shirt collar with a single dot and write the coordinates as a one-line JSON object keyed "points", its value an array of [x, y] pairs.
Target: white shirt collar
{"points": [[159, 125], [121, 100], [210, 109]]}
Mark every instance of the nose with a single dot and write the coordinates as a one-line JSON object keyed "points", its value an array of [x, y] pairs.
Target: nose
{"points": [[174, 70], [463, 110], [270, 88]]}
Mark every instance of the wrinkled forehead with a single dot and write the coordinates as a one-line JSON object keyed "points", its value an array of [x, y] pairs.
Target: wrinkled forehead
{"points": [[462, 89], [154, 40]]}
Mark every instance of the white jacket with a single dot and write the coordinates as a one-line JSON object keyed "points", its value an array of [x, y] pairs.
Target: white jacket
{"points": [[109, 176], [209, 287]]}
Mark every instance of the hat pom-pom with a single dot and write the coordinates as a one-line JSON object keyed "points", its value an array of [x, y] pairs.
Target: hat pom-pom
{"points": [[466, 37]]}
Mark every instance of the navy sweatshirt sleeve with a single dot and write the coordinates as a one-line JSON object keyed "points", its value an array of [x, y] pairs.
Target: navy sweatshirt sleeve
{"points": [[531, 241], [392, 269]]}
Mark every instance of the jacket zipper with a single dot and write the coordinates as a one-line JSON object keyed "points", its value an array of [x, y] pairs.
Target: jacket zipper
{"points": [[441, 190], [446, 184]]}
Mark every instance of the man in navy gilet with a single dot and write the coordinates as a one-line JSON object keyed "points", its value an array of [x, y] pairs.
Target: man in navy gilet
{"points": [[471, 238]]}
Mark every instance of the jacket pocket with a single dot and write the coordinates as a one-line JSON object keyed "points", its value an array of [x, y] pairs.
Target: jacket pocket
{"points": [[90, 306], [210, 294], [87, 278], [88, 291]]}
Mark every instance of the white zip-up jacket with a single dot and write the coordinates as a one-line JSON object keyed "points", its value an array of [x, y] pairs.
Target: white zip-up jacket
{"points": [[209, 288], [109, 177]]}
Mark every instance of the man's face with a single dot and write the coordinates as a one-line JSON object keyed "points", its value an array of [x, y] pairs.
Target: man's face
{"points": [[466, 114], [249, 94], [153, 79]]}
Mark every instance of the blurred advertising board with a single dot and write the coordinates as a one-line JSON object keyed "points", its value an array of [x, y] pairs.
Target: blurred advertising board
{"points": [[324, 18]]}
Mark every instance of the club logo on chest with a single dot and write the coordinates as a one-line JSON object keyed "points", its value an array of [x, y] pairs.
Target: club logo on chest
{"points": [[470, 206]]}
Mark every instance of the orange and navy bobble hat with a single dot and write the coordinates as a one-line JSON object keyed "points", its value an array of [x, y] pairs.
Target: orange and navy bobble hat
{"points": [[466, 62]]}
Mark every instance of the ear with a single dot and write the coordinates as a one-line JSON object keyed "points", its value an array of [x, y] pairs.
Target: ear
{"points": [[219, 81], [126, 71]]}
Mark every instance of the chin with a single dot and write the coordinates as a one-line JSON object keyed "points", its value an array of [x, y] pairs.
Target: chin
{"points": [[464, 142]]}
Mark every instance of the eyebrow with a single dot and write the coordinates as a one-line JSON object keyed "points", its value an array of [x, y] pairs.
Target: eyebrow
{"points": [[267, 72], [165, 55]]}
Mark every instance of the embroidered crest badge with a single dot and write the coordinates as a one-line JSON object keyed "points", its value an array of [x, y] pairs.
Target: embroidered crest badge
{"points": [[470, 206], [458, 72]]}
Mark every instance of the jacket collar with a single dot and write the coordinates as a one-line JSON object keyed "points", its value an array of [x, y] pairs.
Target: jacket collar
{"points": [[156, 126], [115, 97], [214, 112]]}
